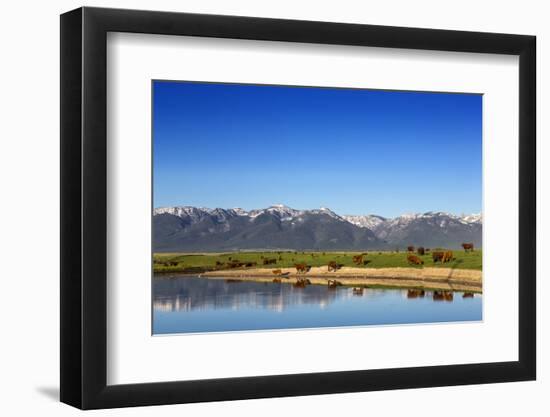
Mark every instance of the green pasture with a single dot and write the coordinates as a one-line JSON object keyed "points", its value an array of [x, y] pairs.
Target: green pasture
{"points": [[196, 263]]}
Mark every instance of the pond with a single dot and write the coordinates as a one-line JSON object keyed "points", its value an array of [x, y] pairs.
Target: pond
{"points": [[184, 304]]}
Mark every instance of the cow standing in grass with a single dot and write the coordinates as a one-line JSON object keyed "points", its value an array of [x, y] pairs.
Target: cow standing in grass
{"points": [[468, 247], [438, 256], [359, 259], [448, 256], [443, 257], [414, 260]]}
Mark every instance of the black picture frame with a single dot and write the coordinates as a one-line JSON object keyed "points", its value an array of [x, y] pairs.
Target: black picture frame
{"points": [[84, 207]]}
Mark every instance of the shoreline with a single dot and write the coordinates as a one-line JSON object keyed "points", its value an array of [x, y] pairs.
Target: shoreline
{"points": [[425, 278]]}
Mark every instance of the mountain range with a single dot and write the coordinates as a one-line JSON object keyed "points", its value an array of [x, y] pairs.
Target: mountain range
{"points": [[278, 227]]}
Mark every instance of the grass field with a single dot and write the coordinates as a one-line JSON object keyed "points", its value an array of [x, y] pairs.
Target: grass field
{"points": [[197, 263]]}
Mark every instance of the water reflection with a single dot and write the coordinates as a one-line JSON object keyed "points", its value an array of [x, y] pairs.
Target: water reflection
{"points": [[192, 304], [193, 293], [203, 294]]}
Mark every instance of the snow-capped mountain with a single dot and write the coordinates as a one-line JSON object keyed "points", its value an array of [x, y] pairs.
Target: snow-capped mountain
{"points": [[426, 229], [373, 221], [279, 210], [187, 228], [471, 218], [370, 221]]}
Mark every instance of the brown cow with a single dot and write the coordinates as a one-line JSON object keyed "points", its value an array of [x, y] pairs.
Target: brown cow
{"points": [[250, 264], [277, 271], [414, 260], [448, 256], [420, 251], [438, 256], [302, 268], [268, 261], [410, 248], [357, 259], [333, 266], [468, 247]]}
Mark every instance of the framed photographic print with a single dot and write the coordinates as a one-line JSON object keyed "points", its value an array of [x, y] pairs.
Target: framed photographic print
{"points": [[258, 207]]}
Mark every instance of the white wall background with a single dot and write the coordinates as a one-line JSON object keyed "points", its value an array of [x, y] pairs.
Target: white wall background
{"points": [[29, 213]]}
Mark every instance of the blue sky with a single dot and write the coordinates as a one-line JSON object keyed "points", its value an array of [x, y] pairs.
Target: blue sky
{"points": [[354, 151]]}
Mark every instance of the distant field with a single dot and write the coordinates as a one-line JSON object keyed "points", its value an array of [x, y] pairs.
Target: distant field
{"points": [[197, 263]]}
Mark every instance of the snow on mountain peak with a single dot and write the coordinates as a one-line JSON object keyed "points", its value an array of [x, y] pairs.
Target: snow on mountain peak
{"points": [[370, 221], [180, 211], [285, 213], [239, 211], [472, 218], [327, 211]]}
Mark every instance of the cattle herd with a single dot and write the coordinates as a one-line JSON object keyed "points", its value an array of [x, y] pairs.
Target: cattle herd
{"points": [[413, 258], [437, 256], [359, 260], [441, 256]]}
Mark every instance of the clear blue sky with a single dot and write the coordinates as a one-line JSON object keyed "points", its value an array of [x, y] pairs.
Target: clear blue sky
{"points": [[354, 151]]}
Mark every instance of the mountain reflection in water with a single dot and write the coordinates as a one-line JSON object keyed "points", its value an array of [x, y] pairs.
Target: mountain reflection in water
{"points": [[200, 294], [192, 304]]}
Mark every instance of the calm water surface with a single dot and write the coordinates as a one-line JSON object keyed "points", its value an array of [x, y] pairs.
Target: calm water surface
{"points": [[192, 304]]}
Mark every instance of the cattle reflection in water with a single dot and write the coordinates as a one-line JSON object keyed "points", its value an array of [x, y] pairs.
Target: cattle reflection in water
{"points": [[443, 296], [193, 304], [301, 282], [416, 293], [437, 295]]}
